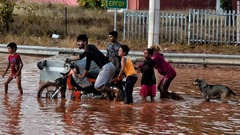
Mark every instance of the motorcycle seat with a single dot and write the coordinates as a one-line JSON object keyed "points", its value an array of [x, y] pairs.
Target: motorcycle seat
{"points": [[92, 74]]}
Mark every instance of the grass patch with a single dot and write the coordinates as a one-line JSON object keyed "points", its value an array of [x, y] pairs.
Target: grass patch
{"points": [[35, 23]]}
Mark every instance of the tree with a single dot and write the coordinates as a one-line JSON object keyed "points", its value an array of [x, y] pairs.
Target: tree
{"points": [[6, 13], [98, 4], [226, 4]]}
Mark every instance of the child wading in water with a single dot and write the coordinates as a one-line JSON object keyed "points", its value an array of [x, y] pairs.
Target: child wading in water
{"points": [[16, 65], [127, 68], [148, 82]]}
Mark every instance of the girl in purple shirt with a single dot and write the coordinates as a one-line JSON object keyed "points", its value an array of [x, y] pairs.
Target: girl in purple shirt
{"points": [[164, 68]]}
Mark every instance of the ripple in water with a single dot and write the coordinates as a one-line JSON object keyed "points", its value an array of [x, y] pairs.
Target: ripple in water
{"points": [[95, 116]]}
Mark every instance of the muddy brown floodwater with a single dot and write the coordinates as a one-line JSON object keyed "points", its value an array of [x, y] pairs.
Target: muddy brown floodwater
{"points": [[28, 115]]}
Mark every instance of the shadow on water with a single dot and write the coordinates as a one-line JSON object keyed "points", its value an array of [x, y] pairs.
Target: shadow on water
{"points": [[28, 115]]}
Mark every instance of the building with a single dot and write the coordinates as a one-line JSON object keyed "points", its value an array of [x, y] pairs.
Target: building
{"points": [[179, 4]]}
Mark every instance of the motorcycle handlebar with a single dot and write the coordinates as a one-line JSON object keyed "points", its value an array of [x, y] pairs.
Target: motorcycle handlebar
{"points": [[68, 60]]}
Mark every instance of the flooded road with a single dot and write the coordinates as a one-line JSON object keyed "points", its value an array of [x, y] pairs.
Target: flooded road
{"points": [[28, 115]]}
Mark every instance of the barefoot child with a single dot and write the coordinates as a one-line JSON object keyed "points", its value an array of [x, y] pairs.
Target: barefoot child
{"points": [[15, 64], [127, 68], [148, 82]]}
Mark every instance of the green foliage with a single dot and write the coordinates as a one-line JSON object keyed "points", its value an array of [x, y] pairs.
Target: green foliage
{"points": [[97, 4], [226, 4], [6, 14]]}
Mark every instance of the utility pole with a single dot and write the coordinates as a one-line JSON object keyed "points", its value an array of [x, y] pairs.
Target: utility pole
{"points": [[154, 18]]}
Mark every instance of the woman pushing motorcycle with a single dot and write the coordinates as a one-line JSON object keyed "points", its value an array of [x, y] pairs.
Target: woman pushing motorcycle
{"points": [[91, 53]]}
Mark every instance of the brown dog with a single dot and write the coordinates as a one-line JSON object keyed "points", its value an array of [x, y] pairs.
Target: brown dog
{"points": [[220, 92]]}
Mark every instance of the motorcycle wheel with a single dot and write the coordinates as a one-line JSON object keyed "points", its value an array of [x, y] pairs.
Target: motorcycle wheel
{"points": [[48, 89]]}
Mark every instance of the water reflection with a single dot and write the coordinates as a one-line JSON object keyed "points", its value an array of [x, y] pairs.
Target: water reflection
{"points": [[11, 114], [28, 115]]}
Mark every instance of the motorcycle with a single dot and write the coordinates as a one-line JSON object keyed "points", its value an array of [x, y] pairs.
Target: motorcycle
{"points": [[69, 81]]}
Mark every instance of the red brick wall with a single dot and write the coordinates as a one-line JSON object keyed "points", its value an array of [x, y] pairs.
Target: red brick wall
{"points": [[173, 4], [234, 5], [143, 4], [186, 4]]}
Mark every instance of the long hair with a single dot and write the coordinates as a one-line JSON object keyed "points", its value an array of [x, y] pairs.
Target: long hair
{"points": [[157, 48]]}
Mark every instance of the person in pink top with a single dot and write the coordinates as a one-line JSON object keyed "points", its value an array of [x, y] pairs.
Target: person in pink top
{"points": [[15, 64], [165, 69]]}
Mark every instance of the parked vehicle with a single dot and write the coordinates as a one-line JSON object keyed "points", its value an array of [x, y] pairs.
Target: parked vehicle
{"points": [[69, 81]]}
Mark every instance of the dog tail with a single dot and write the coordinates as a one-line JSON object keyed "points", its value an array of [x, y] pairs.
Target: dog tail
{"points": [[232, 92]]}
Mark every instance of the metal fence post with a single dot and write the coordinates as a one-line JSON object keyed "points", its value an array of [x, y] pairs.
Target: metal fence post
{"points": [[189, 25]]}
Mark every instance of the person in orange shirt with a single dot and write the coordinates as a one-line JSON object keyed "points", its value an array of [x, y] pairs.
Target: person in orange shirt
{"points": [[127, 69]]}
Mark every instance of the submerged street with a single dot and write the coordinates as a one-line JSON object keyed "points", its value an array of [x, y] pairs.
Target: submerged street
{"points": [[28, 115]]}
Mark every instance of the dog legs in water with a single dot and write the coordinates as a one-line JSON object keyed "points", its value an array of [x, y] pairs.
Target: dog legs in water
{"points": [[209, 91]]}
